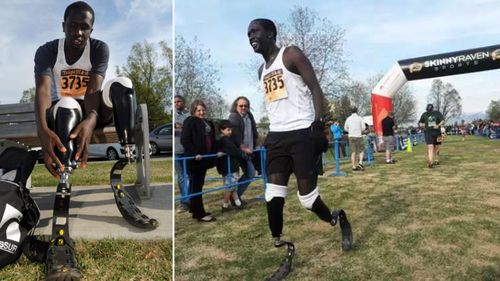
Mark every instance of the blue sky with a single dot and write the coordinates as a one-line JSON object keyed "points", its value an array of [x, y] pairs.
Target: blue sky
{"points": [[28, 24], [378, 33]]}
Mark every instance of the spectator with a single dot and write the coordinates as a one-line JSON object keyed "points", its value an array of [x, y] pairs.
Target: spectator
{"points": [[439, 143], [355, 126], [245, 136], [230, 175], [337, 133], [388, 127], [180, 115], [198, 139]]}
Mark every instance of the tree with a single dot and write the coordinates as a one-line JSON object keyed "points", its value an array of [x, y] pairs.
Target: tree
{"points": [[340, 108], [404, 103], [151, 75], [493, 110], [445, 99], [197, 77], [322, 42], [359, 96], [404, 106], [28, 95]]}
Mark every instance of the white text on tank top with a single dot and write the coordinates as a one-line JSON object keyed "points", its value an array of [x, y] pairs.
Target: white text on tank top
{"points": [[288, 99], [70, 80]]}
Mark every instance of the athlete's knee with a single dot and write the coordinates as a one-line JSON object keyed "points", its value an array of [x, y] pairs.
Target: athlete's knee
{"points": [[308, 200], [274, 190]]}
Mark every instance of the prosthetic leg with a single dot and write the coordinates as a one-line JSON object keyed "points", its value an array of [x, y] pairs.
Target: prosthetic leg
{"points": [[275, 201], [61, 262], [340, 216], [119, 95], [286, 263]]}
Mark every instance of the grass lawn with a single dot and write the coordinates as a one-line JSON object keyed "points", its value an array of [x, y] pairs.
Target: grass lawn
{"points": [[97, 173], [108, 259], [409, 222]]}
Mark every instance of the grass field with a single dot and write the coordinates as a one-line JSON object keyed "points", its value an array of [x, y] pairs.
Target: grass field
{"points": [[97, 173], [409, 222], [108, 259]]}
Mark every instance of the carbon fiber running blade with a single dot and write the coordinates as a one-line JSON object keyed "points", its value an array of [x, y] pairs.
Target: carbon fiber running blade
{"points": [[345, 227], [126, 205], [286, 264]]}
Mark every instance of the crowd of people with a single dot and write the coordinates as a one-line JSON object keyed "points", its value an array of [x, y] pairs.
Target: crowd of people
{"points": [[227, 144]]}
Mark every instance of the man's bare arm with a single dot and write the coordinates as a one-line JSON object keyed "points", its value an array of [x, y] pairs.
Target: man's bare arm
{"points": [[296, 62], [48, 139]]}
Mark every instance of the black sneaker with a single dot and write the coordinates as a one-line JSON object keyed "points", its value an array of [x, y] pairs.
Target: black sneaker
{"points": [[61, 264], [225, 209], [355, 168], [361, 167]]}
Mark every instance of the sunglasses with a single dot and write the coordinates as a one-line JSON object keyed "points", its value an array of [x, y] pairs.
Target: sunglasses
{"points": [[242, 105]]}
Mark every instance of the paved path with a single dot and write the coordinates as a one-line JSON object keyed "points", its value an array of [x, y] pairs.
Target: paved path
{"points": [[94, 215]]}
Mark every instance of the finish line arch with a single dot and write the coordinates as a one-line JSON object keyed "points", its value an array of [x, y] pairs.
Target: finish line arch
{"points": [[445, 64]]}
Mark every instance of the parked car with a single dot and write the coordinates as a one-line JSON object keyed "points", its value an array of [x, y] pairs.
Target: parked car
{"points": [[110, 151], [161, 139]]}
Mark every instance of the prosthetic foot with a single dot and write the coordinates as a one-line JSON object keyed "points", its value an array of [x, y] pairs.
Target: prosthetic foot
{"points": [[119, 95], [60, 261], [124, 201], [286, 263], [340, 216]]}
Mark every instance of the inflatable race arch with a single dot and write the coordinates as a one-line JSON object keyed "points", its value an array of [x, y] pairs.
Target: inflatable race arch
{"points": [[466, 61]]}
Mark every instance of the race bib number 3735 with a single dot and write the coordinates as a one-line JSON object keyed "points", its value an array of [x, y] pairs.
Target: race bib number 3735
{"points": [[74, 82], [274, 86]]}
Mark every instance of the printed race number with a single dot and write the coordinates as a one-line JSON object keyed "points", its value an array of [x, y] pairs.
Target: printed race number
{"points": [[74, 82], [274, 86]]}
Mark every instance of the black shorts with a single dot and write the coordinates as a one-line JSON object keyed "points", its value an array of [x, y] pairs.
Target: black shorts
{"points": [[291, 152], [431, 137]]}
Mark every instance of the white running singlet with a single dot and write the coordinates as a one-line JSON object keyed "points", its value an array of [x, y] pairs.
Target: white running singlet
{"points": [[71, 80], [288, 99]]}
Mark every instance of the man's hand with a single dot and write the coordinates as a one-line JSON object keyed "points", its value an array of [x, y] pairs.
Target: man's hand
{"points": [[246, 149], [83, 133], [318, 136], [49, 139]]}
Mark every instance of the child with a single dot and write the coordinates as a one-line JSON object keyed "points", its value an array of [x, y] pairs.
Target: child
{"points": [[229, 147]]}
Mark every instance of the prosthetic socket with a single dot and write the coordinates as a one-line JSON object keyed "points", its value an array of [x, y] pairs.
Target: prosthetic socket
{"points": [[66, 114], [119, 95]]}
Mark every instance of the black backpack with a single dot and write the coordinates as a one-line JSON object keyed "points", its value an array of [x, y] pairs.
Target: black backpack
{"points": [[19, 213]]}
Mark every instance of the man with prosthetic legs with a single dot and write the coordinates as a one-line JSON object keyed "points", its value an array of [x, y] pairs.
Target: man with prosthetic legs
{"points": [[296, 138], [69, 105], [64, 116]]}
